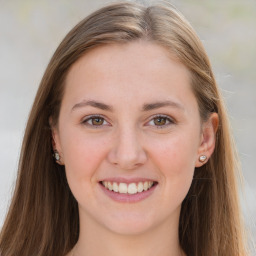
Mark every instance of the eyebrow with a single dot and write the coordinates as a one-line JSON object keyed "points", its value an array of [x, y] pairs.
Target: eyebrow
{"points": [[167, 103], [146, 107], [94, 104]]}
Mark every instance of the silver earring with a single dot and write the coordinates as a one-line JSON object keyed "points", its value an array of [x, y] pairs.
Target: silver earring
{"points": [[202, 158], [56, 155]]}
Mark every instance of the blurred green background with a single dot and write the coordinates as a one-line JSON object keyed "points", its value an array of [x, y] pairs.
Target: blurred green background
{"points": [[31, 30]]}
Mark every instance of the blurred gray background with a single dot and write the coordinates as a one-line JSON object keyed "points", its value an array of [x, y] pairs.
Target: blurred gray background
{"points": [[31, 30]]}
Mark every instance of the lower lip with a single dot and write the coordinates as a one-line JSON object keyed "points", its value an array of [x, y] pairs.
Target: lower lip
{"points": [[128, 198]]}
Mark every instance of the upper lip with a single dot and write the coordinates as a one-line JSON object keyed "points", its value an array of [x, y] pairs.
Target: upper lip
{"points": [[127, 180]]}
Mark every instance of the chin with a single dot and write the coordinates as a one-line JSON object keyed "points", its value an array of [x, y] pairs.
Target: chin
{"points": [[131, 225]]}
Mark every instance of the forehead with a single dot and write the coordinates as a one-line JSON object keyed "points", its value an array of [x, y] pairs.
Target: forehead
{"points": [[134, 53], [142, 69]]}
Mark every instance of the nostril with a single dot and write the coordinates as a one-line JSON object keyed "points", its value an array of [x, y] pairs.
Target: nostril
{"points": [[127, 154]]}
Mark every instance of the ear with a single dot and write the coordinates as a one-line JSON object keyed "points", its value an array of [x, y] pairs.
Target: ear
{"points": [[208, 138], [56, 145]]}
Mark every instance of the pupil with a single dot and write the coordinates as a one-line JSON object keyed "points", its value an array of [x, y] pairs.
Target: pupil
{"points": [[160, 121], [97, 121]]}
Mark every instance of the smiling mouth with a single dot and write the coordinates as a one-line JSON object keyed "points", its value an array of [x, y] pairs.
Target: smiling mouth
{"points": [[128, 188]]}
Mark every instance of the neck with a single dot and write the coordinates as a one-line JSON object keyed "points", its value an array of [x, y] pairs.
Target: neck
{"points": [[94, 240]]}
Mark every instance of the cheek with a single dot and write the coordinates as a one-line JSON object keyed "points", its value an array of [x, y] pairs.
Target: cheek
{"points": [[82, 155], [175, 158], [176, 154]]}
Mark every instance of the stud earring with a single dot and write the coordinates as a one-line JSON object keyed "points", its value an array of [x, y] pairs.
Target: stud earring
{"points": [[56, 155], [202, 158]]}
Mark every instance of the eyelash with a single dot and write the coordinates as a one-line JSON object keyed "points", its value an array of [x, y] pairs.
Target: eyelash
{"points": [[89, 121], [166, 118], [91, 118]]}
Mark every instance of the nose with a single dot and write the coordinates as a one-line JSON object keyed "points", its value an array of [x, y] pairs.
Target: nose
{"points": [[127, 152]]}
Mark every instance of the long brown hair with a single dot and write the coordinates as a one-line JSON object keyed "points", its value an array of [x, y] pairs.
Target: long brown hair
{"points": [[43, 216]]}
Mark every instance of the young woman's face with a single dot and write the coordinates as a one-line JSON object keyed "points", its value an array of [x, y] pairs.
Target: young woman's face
{"points": [[129, 121]]}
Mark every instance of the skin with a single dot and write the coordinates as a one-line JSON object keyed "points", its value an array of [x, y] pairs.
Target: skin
{"points": [[130, 142]]}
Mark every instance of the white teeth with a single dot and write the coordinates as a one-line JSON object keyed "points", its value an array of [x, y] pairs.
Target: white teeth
{"points": [[122, 188], [131, 188], [110, 186], [145, 185], [140, 187], [115, 187]]}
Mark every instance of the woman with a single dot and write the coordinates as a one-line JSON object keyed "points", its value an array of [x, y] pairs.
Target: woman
{"points": [[144, 163]]}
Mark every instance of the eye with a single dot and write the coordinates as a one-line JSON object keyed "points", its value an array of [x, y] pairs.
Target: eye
{"points": [[95, 121], [161, 121]]}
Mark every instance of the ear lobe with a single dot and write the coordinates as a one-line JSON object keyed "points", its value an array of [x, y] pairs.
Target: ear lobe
{"points": [[56, 146], [208, 138], [53, 132]]}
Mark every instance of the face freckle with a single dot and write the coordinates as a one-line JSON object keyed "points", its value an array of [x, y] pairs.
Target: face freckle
{"points": [[128, 85]]}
